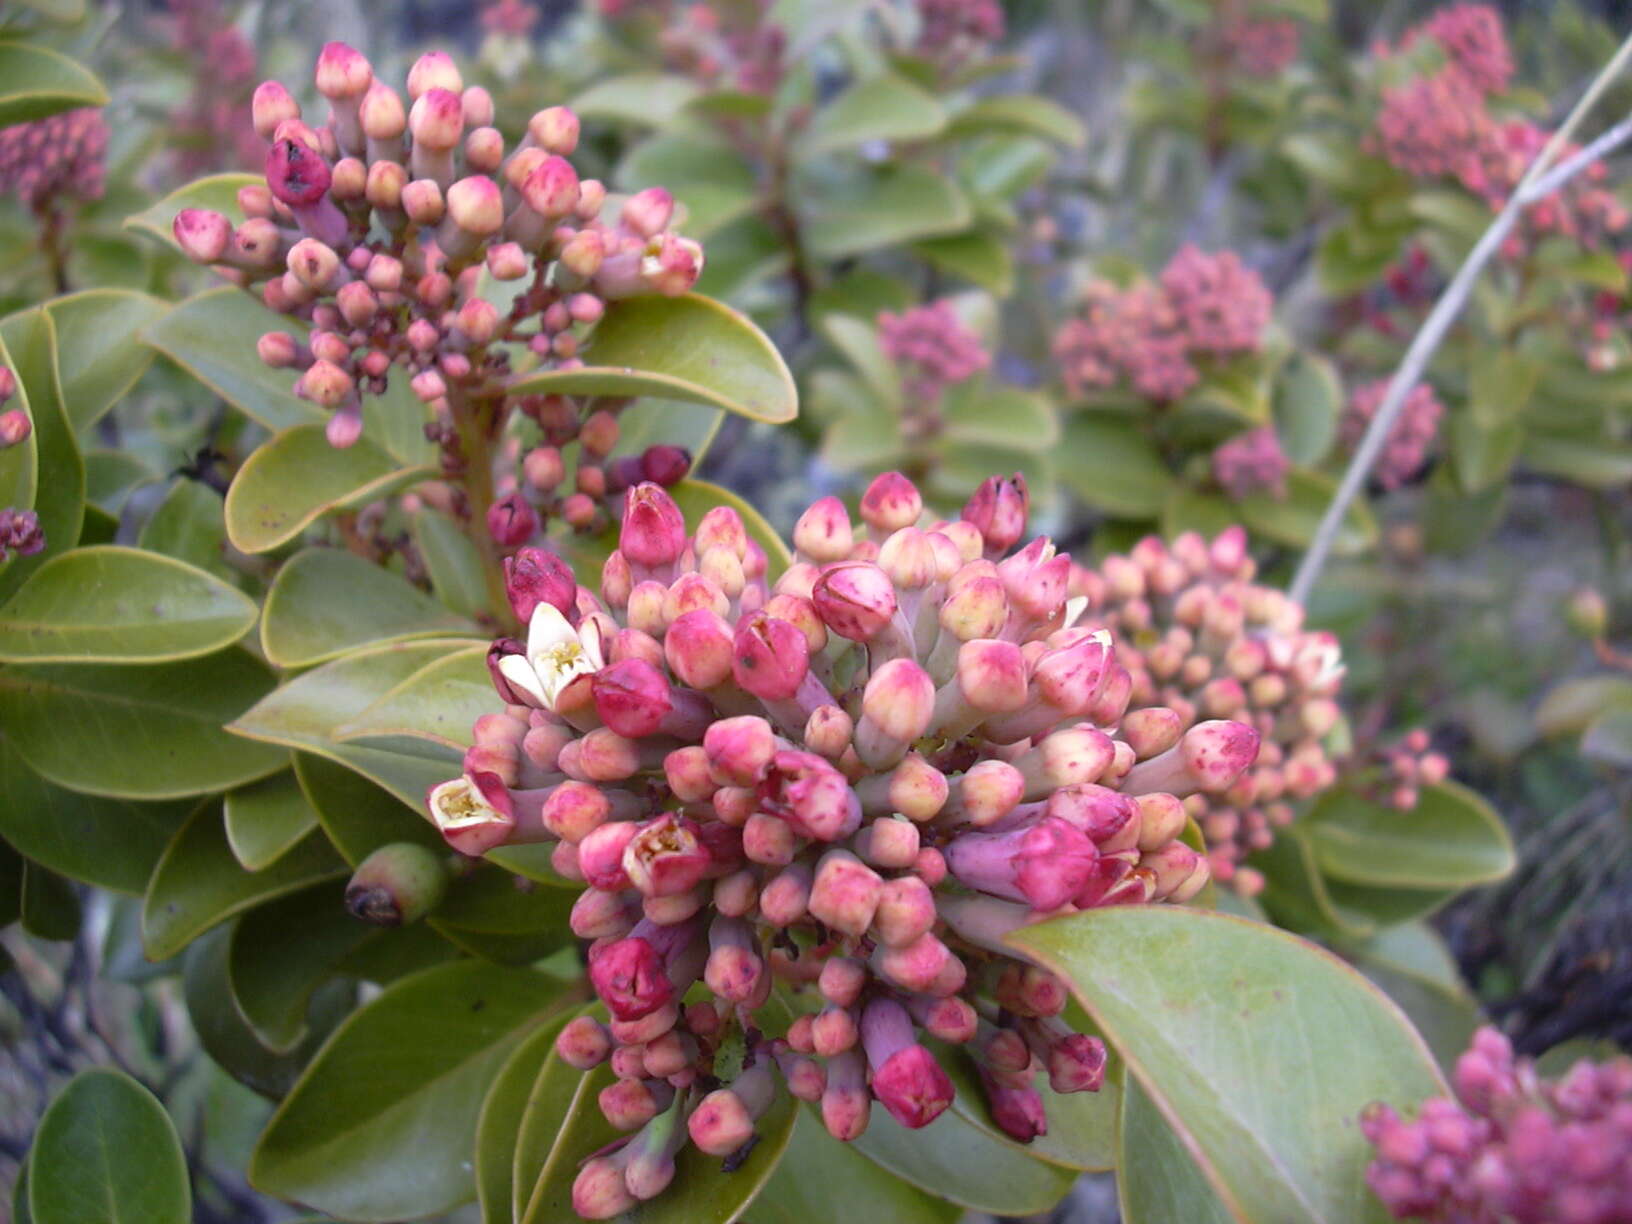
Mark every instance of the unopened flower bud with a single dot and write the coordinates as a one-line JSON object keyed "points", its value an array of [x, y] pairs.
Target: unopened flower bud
{"points": [[397, 885]]}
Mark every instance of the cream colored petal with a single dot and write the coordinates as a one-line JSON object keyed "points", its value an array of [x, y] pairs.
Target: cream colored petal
{"points": [[546, 629], [521, 673]]}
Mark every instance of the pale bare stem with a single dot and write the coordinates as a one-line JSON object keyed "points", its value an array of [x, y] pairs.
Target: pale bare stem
{"points": [[1538, 182]]}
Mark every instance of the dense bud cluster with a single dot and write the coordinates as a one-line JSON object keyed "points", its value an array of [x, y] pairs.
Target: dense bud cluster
{"points": [[20, 534], [933, 349], [1511, 1148], [732, 46], [1393, 774], [1252, 462], [852, 781], [377, 225], [1150, 336], [214, 127], [1409, 438], [509, 18], [1200, 640], [63, 155], [1439, 126]]}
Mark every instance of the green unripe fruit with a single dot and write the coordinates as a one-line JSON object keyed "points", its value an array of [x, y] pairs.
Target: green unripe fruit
{"points": [[396, 885]]}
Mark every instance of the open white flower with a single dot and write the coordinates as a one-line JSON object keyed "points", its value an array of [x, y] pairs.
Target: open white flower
{"points": [[557, 654]]}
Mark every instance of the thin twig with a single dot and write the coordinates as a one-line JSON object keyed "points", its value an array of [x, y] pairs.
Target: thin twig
{"points": [[1537, 183]]}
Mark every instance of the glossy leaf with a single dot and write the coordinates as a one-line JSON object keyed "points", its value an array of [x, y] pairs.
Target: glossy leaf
{"points": [[107, 1153], [820, 1178], [647, 99], [1450, 839], [30, 344], [1483, 455], [451, 560], [881, 107], [326, 601], [36, 82], [189, 526], [1022, 113], [218, 192], [978, 256], [147, 732], [1113, 467], [556, 1093], [50, 907], [112, 476], [381, 1125], [1293, 521], [108, 604], [1410, 964], [686, 348], [198, 884], [357, 816], [65, 11], [440, 702], [99, 349], [701, 1193], [267, 819], [1258, 1048], [304, 713], [858, 340], [297, 477], [1572, 705], [278, 954], [982, 414], [1596, 464], [1609, 739], [499, 1124], [1308, 404], [881, 207], [111, 843], [1157, 1181]]}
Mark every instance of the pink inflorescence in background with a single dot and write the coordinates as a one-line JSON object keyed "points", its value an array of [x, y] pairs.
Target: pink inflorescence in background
{"points": [[1440, 126], [953, 31], [1409, 440], [1252, 462], [933, 348], [1201, 640], [20, 530], [847, 784], [1150, 335], [1511, 1148], [214, 128], [376, 228], [62, 156], [1258, 46]]}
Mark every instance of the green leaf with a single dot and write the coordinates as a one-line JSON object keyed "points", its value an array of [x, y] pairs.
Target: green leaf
{"points": [[138, 732], [1293, 522], [1609, 739], [858, 340], [327, 601], [1113, 467], [304, 713], [646, 99], [1572, 705], [1483, 455], [880, 207], [278, 954], [107, 1153], [36, 82], [979, 413], [998, 168], [451, 560], [297, 477], [189, 525], [120, 605], [30, 348], [958, 1161], [1596, 464], [107, 842], [882, 107], [701, 1193], [266, 820], [111, 476], [1456, 212], [1157, 1180], [357, 816], [1258, 1048], [98, 348], [498, 1126], [820, 1178], [1189, 509], [198, 884], [218, 192], [381, 1125], [710, 180], [440, 702], [686, 348], [1433, 996], [1499, 386], [1024, 114], [553, 1097], [1297, 896], [1451, 839], [50, 907], [212, 336], [979, 257], [65, 11], [1308, 404]]}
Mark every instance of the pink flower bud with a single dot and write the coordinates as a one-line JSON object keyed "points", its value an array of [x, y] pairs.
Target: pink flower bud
{"points": [[769, 657], [647, 212], [1045, 864], [833, 1031], [1210, 757], [1017, 1111], [202, 234], [905, 911], [583, 1043], [890, 503], [845, 892], [535, 576], [855, 599], [740, 750], [270, 105], [810, 795], [699, 648], [842, 980], [888, 844], [632, 697], [15, 425], [665, 858], [512, 521], [999, 509], [906, 1078], [823, 532], [989, 791], [845, 1101], [654, 530]]}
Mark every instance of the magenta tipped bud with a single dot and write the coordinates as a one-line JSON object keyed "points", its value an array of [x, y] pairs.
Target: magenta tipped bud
{"points": [[535, 576], [856, 600], [823, 532], [555, 129], [845, 893], [1044, 865], [15, 426], [654, 530], [202, 234], [769, 657], [1210, 757], [666, 858], [583, 1043], [740, 750], [998, 510], [632, 697], [1018, 1111], [271, 105], [647, 212], [906, 1080], [434, 70], [628, 976], [512, 521], [845, 1100], [890, 503]]}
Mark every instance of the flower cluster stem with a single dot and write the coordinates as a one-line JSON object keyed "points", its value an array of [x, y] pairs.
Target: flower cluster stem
{"points": [[478, 426]]}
